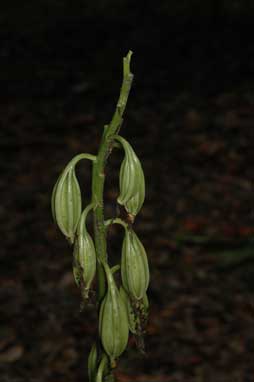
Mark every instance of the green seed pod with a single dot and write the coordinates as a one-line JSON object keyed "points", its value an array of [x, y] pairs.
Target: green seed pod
{"points": [[131, 316], [84, 265], [134, 266], [66, 198], [113, 320], [92, 363], [131, 180], [135, 319], [66, 202], [77, 271], [102, 369], [134, 204]]}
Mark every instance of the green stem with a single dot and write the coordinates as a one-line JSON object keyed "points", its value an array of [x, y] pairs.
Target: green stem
{"points": [[115, 221], [78, 157], [98, 177], [83, 217], [98, 180]]}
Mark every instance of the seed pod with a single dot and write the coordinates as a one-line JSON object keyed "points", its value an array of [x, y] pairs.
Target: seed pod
{"points": [[134, 204], [102, 369], [113, 320], [92, 363], [134, 266], [135, 318], [84, 265], [131, 316], [66, 202], [77, 271], [131, 180]]}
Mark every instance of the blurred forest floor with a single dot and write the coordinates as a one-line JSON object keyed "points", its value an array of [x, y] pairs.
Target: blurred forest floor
{"points": [[197, 222]]}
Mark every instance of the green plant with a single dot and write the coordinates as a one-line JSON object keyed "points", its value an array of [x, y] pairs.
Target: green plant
{"points": [[123, 309]]}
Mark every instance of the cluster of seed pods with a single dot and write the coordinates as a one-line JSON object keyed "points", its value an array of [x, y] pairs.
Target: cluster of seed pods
{"points": [[124, 308]]}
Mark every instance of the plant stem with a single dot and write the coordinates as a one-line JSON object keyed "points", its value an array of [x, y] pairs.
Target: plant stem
{"points": [[98, 176], [98, 180], [115, 221]]}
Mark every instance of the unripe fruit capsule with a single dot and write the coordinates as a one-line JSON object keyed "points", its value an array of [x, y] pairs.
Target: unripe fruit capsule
{"points": [[113, 320], [66, 202], [131, 180], [84, 265], [66, 198], [92, 363], [134, 266]]}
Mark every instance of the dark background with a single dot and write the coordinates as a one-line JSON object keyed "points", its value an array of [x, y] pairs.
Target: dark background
{"points": [[190, 118]]}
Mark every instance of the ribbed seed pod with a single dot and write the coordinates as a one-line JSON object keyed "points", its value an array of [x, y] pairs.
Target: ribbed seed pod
{"points": [[135, 203], [102, 369], [131, 316], [77, 271], [131, 180], [137, 316], [113, 320], [92, 363], [66, 202], [134, 266], [84, 265]]}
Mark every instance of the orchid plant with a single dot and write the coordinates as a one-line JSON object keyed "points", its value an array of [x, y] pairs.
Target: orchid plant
{"points": [[122, 307]]}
